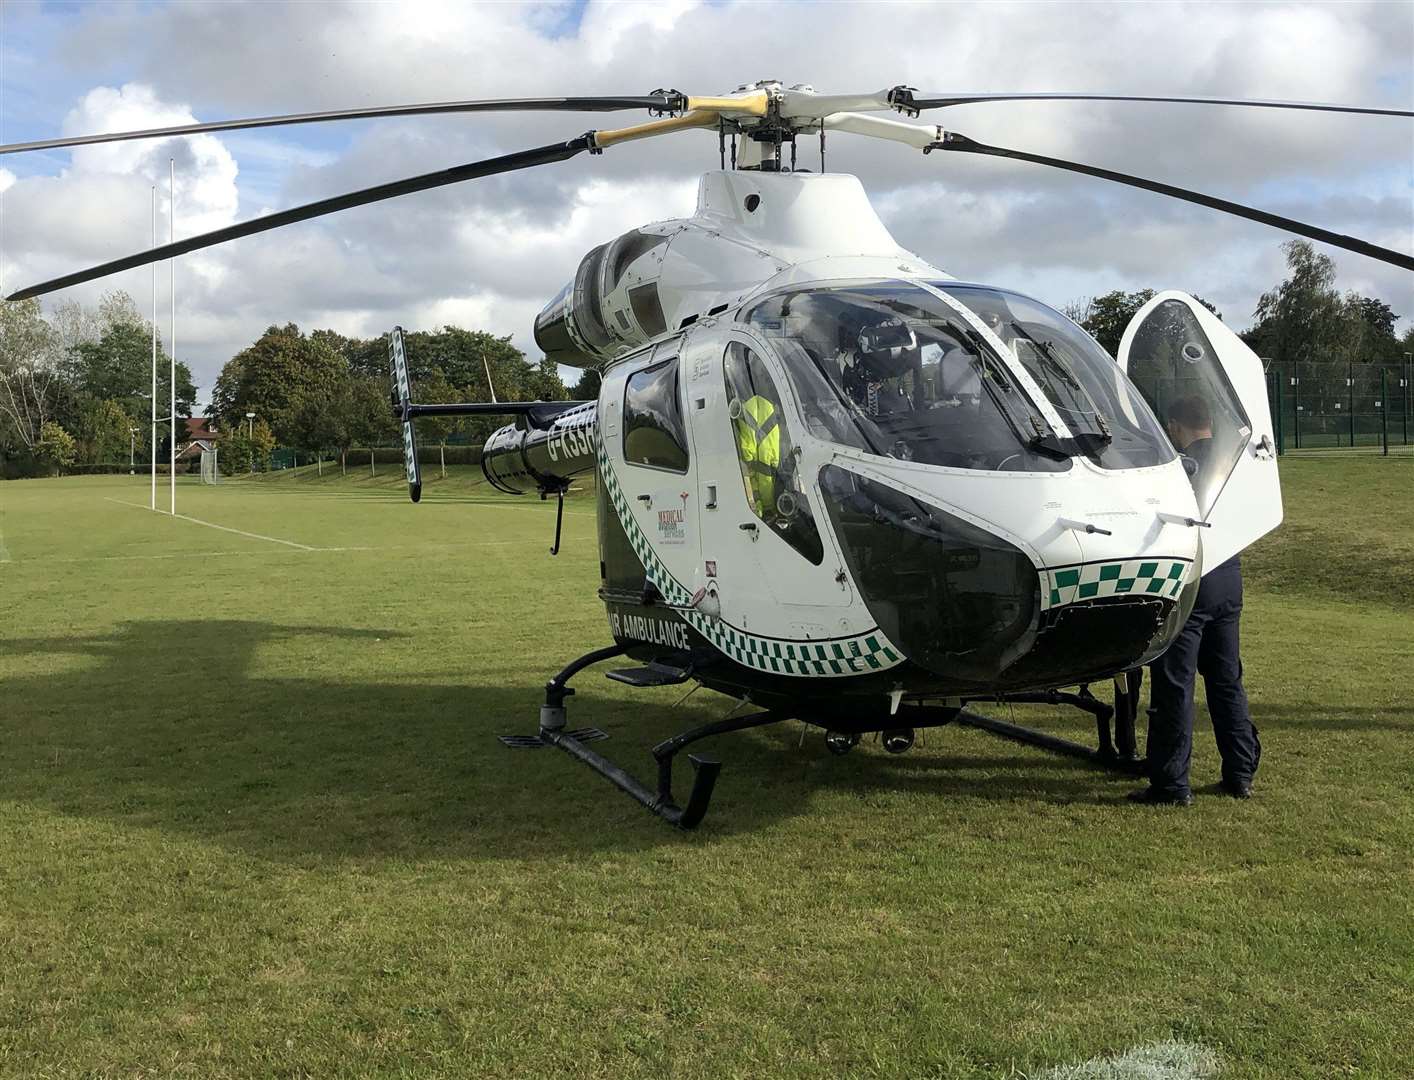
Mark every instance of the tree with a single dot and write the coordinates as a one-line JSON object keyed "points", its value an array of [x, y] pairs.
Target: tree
{"points": [[547, 384], [1305, 318], [368, 358], [117, 366], [587, 388], [274, 378], [354, 413], [104, 432], [1106, 317], [31, 384], [371, 417], [55, 448], [438, 428], [1378, 343], [247, 448]]}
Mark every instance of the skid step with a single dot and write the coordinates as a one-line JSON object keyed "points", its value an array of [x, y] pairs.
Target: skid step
{"points": [[651, 674], [535, 742]]}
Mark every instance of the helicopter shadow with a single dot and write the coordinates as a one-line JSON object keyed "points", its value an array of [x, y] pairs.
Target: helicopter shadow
{"points": [[133, 728]]}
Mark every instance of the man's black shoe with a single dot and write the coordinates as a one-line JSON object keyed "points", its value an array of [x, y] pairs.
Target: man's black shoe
{"points": [[1238, 789], [1152, 796]]}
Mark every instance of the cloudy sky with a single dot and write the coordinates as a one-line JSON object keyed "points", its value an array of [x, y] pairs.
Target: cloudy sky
{"points": [[490, 253]]}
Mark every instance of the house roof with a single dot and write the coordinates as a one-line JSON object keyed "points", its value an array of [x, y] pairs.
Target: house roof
{"points": [[201, 427]]}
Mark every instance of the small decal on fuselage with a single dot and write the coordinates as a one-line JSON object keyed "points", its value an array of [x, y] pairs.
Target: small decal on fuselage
{"points": [[672, 524]]}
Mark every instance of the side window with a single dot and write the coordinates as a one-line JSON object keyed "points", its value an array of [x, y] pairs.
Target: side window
{"points": [[764, 449], [654, 434]]}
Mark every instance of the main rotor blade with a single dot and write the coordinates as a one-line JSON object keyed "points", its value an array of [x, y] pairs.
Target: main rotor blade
{"points": [[664, 101], [904, 100], [523, 159], [961, 143]]}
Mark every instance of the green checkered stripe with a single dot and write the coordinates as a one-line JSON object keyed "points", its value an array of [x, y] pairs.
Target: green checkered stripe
{"points": [[1144, 577], [843, 656]]}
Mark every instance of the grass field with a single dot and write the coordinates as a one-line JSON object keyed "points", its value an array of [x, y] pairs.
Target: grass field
{"points": [[254, 822]]}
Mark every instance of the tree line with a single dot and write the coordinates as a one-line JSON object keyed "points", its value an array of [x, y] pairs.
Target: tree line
{"points": [[323, 392], [76, 385]]}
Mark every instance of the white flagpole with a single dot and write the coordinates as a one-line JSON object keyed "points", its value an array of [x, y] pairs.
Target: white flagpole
{"points": [[172, 344], [153, 504]]}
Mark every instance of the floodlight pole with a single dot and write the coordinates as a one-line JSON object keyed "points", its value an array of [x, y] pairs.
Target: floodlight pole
{"points": [[132, 451], [172, 344], [152, 505], [250, 419]]}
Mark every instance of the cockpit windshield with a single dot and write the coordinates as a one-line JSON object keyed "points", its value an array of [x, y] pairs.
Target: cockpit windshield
{"points": [[1109, 421], [891, 369]]}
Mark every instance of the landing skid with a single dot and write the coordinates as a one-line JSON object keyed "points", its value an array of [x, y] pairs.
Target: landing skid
{"points": [[660, 801], [1116, 752]]}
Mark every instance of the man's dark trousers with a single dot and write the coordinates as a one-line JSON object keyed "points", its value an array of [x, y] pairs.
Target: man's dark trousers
{"points": [[1207, 645]]}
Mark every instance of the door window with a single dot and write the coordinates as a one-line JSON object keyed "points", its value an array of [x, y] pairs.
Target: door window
{"points": [[654, 433], [1175, 366], [769, 465]]}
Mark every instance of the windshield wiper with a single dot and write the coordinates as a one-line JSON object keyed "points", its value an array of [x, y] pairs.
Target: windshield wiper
{"points": [[1087, 441], [1048, 353]]}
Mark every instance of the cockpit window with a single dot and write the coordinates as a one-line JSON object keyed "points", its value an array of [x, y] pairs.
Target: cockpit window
{"points": [[766, 453], [1107, 417], [890, 369]]}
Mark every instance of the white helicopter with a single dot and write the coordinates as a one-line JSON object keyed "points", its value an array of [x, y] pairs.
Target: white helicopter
{"points": [[835, 481]]}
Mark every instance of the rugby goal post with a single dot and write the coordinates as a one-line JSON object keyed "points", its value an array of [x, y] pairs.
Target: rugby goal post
{"points": [[210, 472]]}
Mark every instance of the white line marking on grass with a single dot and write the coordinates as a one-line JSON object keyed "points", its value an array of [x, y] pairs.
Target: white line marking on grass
{"points": [[1173, 1059], [182, 555], [223, 528]]}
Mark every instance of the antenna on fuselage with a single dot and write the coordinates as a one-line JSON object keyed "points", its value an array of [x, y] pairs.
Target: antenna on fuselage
{"points": [[486, 364]]}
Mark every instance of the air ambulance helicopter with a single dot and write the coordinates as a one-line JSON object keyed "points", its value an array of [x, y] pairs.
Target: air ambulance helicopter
{"points": [[835, 481]]}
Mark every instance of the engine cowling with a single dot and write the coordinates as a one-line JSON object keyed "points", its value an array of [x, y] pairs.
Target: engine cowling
{"points": [[611, 305]]}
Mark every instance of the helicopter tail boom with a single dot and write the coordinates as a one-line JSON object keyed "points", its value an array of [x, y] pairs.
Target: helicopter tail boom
{"points": [[549, 443]]}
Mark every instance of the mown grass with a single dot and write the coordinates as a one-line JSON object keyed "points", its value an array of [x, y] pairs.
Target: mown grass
{"points": [[254, 821]]}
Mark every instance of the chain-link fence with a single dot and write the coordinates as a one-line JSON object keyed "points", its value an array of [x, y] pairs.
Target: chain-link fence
{"points": [[1318, 405]]}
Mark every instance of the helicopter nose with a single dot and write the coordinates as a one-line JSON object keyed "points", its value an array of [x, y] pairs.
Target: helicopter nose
{"points": [[1117, 607], [970, 606]]}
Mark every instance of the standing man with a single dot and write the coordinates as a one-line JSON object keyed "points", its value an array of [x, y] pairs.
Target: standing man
{"points": [[1207, 644]]}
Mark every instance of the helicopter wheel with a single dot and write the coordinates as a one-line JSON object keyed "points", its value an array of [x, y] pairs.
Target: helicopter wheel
{"points": [[898, 740], [841, 742]]}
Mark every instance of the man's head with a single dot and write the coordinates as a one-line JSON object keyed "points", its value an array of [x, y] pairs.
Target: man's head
{"points": [[1188, 421]]}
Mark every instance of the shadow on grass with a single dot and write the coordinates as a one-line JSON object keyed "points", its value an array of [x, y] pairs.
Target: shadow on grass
{"points": [[1334, 717], [165, 725]]}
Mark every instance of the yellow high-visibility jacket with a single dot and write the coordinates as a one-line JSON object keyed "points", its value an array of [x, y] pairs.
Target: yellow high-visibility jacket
{"points": [[758, 441]]}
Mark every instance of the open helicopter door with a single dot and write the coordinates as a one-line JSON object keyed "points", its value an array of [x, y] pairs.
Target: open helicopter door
{"points": [[1184, 359]]}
